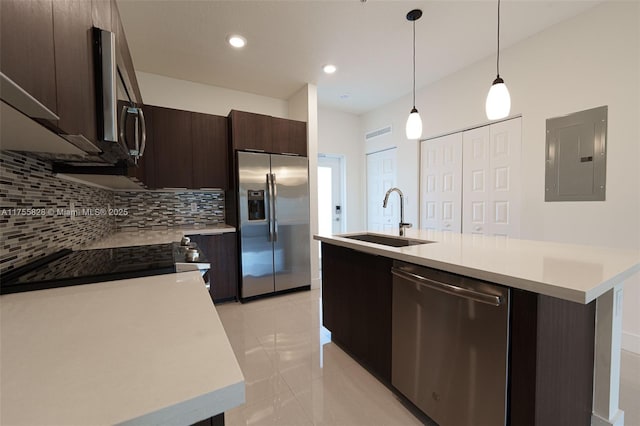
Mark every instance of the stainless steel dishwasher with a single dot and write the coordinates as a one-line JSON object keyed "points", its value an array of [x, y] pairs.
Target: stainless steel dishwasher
{"points": [[450, 344]]}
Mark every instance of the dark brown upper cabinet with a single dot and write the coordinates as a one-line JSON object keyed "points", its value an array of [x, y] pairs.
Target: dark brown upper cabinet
{"points": [[210, 151], [289, 136], [184, 150], [251, 131], [172, 147], [258, 132], [26, 48], [76, 93], [124, 59]]}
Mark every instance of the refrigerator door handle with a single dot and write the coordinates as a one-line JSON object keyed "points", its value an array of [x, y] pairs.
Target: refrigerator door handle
{"points": [[274, 197], [270, 213]]}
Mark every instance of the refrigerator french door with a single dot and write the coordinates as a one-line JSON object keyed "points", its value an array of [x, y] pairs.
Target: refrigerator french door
{"points": [[274, 223]]}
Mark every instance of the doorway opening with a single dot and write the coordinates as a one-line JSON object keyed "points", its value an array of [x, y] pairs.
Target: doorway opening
{"points": [[331, 205]]}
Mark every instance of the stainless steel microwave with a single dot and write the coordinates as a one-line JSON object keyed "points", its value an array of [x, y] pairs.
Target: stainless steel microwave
{"points": [[123, 139]]}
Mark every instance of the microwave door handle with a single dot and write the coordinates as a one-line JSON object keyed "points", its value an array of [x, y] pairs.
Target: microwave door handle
{"points": [[274, 196], [123, 127], [143, 128], [136, 153]]}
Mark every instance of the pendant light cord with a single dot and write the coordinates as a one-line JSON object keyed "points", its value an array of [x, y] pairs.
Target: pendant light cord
{"points": [[414, 63], [498, 55]]}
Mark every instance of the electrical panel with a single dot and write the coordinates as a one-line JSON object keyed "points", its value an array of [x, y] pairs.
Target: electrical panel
{"points": [[576, 156]]}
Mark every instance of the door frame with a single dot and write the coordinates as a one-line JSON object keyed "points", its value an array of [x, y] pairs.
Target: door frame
{"points": [[343, 184]]}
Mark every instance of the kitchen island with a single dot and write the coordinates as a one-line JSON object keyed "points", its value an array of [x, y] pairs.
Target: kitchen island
{"points": [[564, 325], [148, 350]]}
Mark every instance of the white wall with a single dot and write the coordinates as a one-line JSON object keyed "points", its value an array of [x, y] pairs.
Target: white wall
{"points": [[303, 106], [339, 134], [181, 94], [585, 62]]}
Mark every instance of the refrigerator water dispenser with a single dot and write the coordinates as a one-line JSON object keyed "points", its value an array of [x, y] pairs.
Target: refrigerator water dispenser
{"points": [[255, 200]]}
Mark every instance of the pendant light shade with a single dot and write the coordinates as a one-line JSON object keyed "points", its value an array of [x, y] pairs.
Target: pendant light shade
{"points": [[414, 122], [414, 125], [498, 104]]}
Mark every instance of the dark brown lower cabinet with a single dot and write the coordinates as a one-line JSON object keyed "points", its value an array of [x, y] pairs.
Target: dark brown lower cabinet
{"points": [[221, 251], [356, 305], [551, 355]]}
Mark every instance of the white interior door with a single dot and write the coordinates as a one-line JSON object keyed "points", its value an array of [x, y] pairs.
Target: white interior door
{"points": [[441, 183], [475, 204], [381, 176], [331, 214], [491, 201]]}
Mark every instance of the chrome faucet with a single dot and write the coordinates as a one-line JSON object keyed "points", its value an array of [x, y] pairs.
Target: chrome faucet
{"points": [[402, 223]]}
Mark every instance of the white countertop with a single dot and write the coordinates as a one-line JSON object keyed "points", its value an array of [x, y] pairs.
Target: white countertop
{"points": [[566, 271], [145, 237], [140, 351]]}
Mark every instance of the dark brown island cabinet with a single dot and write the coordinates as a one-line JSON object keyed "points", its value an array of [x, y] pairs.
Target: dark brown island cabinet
{"points": [[221, 251], [47, 49], [184, 149], [551, 356], [263, 133]]}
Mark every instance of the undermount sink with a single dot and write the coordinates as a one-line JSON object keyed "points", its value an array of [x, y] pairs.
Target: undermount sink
{"points": [[386, 240]]}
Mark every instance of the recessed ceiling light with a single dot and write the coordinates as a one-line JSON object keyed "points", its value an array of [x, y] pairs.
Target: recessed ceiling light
{"points": [[329, 69], [237, 41]]}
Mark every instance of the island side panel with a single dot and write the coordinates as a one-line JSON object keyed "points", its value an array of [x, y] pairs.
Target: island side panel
{"points": [[552, 361], [356, 305]]}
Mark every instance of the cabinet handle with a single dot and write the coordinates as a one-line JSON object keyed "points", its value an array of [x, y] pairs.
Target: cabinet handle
{"points": [[253, 150], [290, 153]]}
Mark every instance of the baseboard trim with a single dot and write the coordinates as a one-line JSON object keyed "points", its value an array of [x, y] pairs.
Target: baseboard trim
{"points": [[631, 342]]}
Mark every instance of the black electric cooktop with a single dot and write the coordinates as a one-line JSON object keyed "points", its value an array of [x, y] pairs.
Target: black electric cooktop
{"points": [[67, 268]]}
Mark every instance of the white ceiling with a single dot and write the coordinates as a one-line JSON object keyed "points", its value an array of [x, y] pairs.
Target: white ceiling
{"points": [[290, 41]]}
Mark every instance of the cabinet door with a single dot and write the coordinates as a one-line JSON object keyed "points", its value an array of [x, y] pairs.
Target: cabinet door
{"points": [[221, 251], [289, 136], [251, 131], [124, 60], [210, 151], [101, 14], [145, 170], [172, 148], [26, 47], [356, 305], [74, 67]]}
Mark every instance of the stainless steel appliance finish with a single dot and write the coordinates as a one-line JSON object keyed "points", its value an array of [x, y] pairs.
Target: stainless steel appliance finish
{"points": [[113, 85], [273, 210], [450, 345]]}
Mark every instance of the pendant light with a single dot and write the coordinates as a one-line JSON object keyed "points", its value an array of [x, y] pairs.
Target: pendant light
{"points": [[414, 122], [498, 102]]}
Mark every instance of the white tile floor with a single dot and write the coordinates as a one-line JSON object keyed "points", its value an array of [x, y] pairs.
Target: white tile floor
{"points": [[295, 375]]}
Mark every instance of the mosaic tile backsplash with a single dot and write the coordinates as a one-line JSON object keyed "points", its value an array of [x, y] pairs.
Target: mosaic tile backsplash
{"points": [[41, 213], [169, 209]]}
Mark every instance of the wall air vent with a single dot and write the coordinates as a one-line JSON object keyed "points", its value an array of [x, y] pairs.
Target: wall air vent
{"points": [[377, 133]]}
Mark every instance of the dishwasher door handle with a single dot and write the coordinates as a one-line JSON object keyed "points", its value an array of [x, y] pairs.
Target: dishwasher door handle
{"points": [[454, 290]]}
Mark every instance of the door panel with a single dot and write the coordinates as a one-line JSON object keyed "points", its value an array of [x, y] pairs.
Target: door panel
{"points": [[255, 244], [475, 190], [504, 198], [441, 183], [381, 176], [291, 249]]}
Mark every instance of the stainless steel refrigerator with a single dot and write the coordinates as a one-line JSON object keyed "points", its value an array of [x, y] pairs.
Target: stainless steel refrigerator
{"points": [[273, 207]]}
